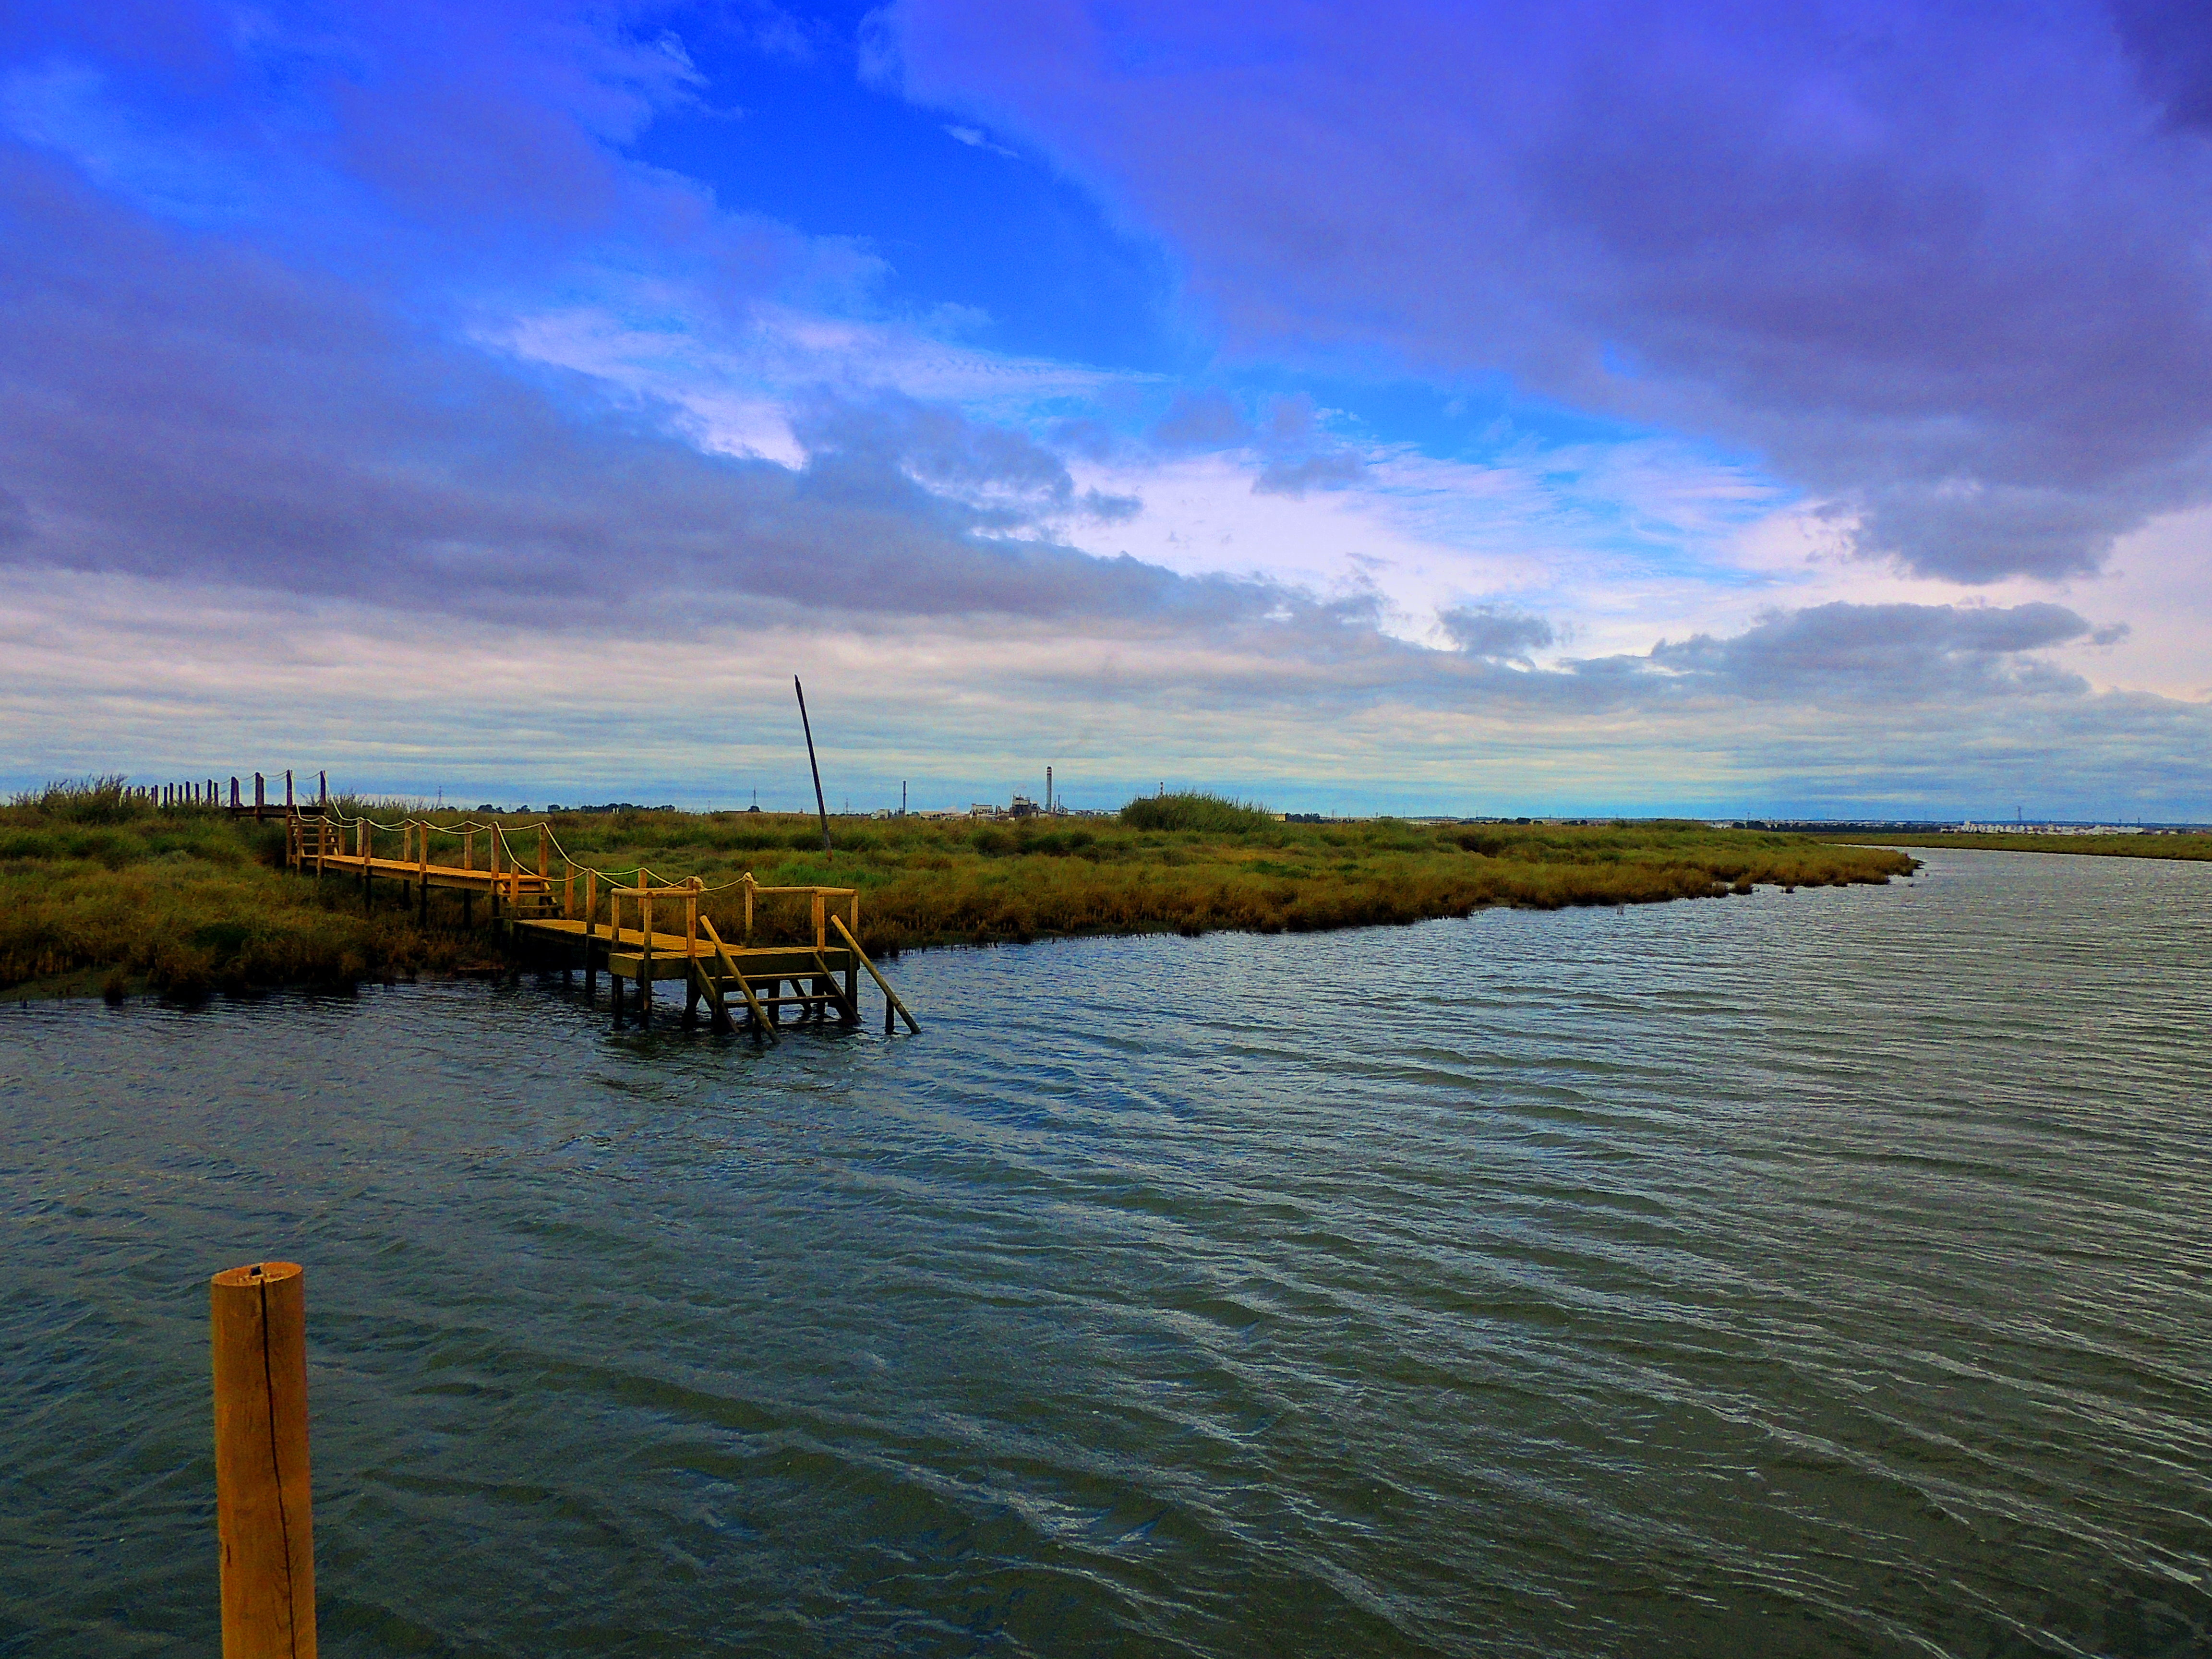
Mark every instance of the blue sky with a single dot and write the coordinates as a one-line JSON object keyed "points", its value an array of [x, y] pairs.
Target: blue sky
{"points": [[1462, 409]]}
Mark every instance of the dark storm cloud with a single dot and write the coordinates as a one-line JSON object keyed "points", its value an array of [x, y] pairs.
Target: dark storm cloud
{"points": [[14, 518], [179, 407], [2171, 42], [1001, 479], [1942, 265], [1888, 653], [1201, 419], [1294, 478], [1495, 633], [1977, 665]]}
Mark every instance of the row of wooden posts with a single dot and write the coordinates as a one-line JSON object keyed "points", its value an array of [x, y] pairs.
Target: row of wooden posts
{"points": [[192, 792]]}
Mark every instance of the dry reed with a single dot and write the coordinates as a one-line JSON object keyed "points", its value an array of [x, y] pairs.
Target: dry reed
{"points": [[98, 893]]}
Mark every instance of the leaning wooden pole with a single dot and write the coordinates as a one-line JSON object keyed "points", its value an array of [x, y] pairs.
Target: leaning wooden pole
{"points": [[891, 997], [263, 1515], [819, 805]]}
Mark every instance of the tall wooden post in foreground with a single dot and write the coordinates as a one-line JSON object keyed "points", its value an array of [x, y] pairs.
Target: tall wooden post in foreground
{"points": [[262, 1510]]}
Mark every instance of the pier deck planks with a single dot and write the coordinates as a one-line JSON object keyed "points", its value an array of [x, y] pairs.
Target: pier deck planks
{"points": [[624, 950]]}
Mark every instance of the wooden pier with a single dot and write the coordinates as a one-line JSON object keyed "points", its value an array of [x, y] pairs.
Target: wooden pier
{"points": [[581, 917]]}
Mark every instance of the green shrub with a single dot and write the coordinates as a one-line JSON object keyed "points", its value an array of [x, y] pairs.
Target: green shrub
{"points": [[1196, 809]]}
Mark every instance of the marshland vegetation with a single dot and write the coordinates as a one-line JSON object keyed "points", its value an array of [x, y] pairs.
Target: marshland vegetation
{"points": [[99, 892], [2188, 846]]}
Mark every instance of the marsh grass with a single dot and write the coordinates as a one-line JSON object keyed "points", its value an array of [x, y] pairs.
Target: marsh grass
{"points": [[103, 895], [1196, 810], [2187, 847]]}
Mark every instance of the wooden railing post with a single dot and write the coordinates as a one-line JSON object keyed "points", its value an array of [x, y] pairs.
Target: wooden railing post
{"points": [[264, 1517], [821, 930], [591, 910], [645, 951]]}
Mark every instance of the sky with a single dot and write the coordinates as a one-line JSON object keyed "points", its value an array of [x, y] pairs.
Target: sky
{"points": [[1573, 408]]}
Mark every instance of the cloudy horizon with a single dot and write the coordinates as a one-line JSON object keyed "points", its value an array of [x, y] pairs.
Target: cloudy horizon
{"points": [[1553, 410]]}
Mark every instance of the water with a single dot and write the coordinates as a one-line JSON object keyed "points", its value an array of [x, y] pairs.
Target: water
{"points": [[1818, 1273]]}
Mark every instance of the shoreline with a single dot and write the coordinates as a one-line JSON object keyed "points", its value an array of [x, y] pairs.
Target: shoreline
{"points": [[2182, 849], [102, 898], [88, 985]]}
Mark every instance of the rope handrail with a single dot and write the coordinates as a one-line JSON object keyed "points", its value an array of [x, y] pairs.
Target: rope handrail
{"points": [[657, 884], [537, 905]]}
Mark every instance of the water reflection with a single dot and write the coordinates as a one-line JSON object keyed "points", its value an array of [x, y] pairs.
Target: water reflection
{"points": [[1810, 1273]]}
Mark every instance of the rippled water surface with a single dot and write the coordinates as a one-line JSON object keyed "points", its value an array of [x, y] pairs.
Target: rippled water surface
{"points": [[1810, 1273]]}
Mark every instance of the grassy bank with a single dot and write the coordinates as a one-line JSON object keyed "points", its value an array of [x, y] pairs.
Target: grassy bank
{"points": [[2110, 847], [101, 893]]}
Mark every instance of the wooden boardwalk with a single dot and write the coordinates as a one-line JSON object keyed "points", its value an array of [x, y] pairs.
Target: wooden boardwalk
{"points": [[580, 918]]}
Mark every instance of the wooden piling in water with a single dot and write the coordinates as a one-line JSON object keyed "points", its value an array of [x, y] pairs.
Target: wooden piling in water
{"points": [[590, 911], [264, 1517], [645, 952]]}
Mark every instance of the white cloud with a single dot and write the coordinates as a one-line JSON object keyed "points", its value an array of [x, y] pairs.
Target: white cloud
{"points": [[976, 138], [738, 379], [167, 679], [1617, 545]]}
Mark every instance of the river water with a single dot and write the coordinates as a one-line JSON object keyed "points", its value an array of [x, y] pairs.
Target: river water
{"points": [[1818, 1273]]}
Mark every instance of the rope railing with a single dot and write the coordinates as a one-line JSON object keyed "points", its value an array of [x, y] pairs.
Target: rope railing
{"points": [[535, 904], [504, 834], [640, 880]]}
